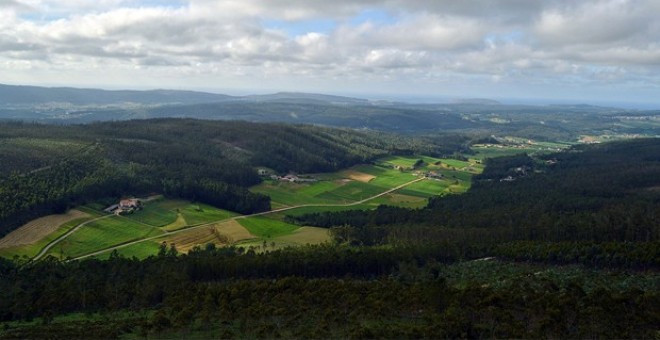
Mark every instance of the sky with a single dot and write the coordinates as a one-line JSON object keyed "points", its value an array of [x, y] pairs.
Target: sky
{"points": [[587, 51]]}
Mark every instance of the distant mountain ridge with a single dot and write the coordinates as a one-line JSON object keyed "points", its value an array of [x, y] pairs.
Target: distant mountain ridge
{"points": [[12, 94], [306, 97], [65, 105], [23, 94]]}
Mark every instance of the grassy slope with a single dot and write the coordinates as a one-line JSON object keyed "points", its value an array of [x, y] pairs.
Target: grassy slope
{"points": [[267, 228]]}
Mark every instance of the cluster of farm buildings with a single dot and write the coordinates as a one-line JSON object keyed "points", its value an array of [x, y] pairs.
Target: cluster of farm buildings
{"points": [[287, 178], [125, 206]]}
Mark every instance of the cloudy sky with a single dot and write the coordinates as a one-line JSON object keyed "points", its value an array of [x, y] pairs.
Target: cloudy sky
{"points": [[592, 51]]}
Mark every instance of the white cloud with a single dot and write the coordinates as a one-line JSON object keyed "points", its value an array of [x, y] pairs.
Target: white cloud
{"points": [[600, 23], [227, 43]]}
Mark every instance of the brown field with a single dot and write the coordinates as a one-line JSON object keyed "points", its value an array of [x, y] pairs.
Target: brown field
{"points": [[358, 176], [307, 235], [225, 233], [36, 230]]}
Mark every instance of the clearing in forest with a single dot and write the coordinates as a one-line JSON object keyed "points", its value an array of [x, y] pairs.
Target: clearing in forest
{"points": [[36, 230]]}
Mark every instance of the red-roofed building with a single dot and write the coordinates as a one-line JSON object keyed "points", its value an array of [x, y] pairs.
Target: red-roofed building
{"points": [[128, 206]]}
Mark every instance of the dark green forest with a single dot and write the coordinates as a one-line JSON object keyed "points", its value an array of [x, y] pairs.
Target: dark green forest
{"points": [[47, 169], [325, 291]]}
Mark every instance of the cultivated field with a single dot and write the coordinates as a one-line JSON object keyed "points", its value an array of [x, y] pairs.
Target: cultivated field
{"points": [[306, 235], [31, 250], [357, 176], [267, 228], [220, 234], [36, 230], [102, 234], [300, 236], [177, 214]]}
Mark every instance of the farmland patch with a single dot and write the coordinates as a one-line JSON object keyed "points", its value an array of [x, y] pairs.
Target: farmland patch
{"points": [[220, 234], [37, 229], [102, 234], [266, 228], [358, 176], [307, 235]]}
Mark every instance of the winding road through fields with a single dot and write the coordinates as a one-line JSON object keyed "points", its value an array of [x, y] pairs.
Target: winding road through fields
{"points": [[65, 235], [123, 245]]}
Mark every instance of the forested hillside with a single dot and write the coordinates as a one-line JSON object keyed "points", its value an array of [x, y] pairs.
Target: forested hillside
{"points": [[48, 168]]}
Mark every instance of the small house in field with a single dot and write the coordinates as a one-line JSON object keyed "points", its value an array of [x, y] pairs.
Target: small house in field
{"points": [[128, 205], [290, 178], [433, 174]]}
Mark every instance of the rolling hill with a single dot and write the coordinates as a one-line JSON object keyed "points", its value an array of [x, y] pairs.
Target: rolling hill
{"points": [[546, 122]]}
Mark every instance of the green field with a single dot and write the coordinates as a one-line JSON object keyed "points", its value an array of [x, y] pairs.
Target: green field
{"points": [[267, 228], [199, 213], [352, 191], [297, 237], [153, 215], [288, 194], [140, 250], [455, 163], [388, 178], [102, 234], [175, 214], [407, 161], [431, 187]]}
